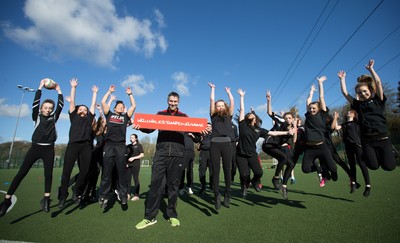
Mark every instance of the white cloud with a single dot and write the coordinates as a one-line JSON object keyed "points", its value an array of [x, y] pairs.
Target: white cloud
{"points": [[85, 29], [181, 82], [12, 110], [138, 84]]}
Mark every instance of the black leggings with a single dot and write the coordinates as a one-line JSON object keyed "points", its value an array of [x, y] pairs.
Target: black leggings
{"points": [[224, 150], [204, 162], [188, 159], [44, 152], [244, 164], [83, 151], [353, 153], [133, 171], [321, 152], [284, 157], [378, 153], [339, 161]]}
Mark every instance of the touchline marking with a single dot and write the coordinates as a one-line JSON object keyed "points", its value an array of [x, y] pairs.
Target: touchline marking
{"points": [[13, 201]]}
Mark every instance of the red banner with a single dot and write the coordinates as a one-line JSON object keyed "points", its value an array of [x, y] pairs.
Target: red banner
{"points": [[170, 123]]}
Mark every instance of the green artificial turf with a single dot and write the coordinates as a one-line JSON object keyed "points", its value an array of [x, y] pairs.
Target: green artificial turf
{"points": [[312, 214]]}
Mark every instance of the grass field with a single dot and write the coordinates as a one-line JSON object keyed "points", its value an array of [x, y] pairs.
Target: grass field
{"points": [[312, 214]]}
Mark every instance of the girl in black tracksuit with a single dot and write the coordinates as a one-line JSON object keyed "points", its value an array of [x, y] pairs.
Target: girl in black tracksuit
{"points": [[114, 152], [79, 146], [43, 139], [352, 144], [315, 127], [279, 147], [205, 160], [135, 153], [221, 143], [370, 107], [246, 155]]}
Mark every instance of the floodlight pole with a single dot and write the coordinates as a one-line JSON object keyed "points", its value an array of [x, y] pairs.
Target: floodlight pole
{"points": [[24, 90]]}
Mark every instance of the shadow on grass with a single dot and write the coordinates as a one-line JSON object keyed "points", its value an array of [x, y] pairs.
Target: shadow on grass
{"points": [[207, 209]]}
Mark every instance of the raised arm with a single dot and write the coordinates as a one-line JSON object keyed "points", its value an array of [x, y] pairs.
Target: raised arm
{"points": [[310, 95], [60, 102], [95, 89], [104, 105], [322, 103], [241, 110], [212, 98], [342, 77], [335, 125], [378, 83], [132, 101], [74, 83], [231, 101], [269, 105]]}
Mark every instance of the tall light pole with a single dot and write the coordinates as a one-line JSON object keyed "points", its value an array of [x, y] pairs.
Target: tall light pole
{"points": [[24, 90]]}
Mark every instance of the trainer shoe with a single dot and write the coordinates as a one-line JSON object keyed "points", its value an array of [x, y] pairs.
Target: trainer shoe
{"points": [[217, 202], [124, 200], [45, 204], [354, 186], [145, 222], [202, 189], [103, 203], [334, 176], [275, 182], [367, 191], [61, 203], [243, 191], [4, 206], [256, 186], [283, 192], [190, 191], [322, 182], [174, 222], [227, 201], [292, 180], [135, 198], [181, 192]]}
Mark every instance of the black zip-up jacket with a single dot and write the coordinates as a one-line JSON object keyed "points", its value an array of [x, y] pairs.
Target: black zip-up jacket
{"points": [[45, 126], [169, 143]]}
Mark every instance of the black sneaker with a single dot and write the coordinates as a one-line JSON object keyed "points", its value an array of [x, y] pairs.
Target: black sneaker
{"points": [[45, 204], [103, 203], [367, 191], [354, 187], [203, 189], [227, 201], [4, 206], [283, 192], [256, 186], [275, 182], [124, 200], [218, 202], [334, 176], [243, 191], [61, 203]]}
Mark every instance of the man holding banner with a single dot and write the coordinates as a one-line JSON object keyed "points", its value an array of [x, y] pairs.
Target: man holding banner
{"points": [[168, 158]]}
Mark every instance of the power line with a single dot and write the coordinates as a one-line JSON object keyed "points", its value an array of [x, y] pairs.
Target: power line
{"points": [[301, 48], [386, 63], [338, 51], [264, 113], [366, 55]]}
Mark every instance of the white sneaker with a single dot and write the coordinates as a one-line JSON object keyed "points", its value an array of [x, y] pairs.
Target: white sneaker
{"points": [[190, 191], [135, 198]]}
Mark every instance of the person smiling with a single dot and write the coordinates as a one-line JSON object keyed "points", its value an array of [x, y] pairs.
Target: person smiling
{"points": [[43, 139], [370, 107]]}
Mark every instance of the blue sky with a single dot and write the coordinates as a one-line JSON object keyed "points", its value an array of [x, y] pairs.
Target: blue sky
{"points": [[161, 46]]}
